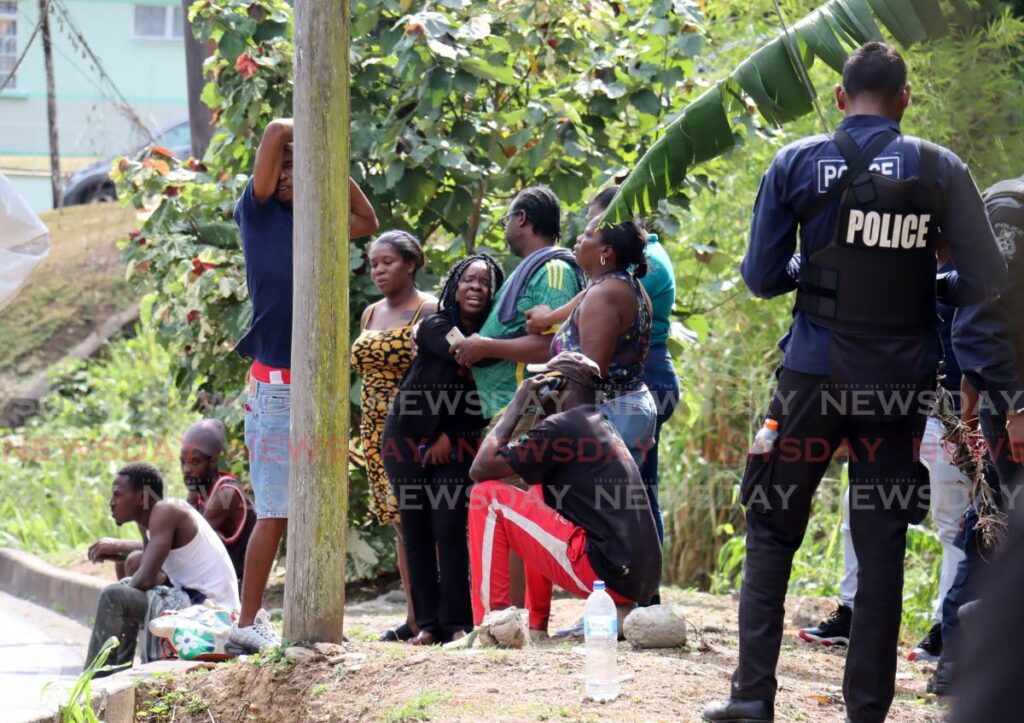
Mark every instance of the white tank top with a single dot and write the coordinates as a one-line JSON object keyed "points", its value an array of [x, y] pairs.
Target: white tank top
{"points": [[203, 564]]}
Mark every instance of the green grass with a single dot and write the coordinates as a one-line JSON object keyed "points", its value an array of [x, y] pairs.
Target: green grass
{"points": [[415, 708], [57, 470]]}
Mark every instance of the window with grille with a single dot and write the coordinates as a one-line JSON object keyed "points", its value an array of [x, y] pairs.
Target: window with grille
{"points": [[159, 22], [8, 40]]}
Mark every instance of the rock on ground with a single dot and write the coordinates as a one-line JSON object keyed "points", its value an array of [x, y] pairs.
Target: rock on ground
{"points": [[657, 626], [503, 629]]}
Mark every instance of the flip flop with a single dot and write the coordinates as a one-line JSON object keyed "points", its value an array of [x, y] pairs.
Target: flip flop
{"points": [[396, 635]]}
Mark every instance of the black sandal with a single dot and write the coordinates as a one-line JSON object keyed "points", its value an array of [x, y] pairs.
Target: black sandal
{"points": [[396, 635]]}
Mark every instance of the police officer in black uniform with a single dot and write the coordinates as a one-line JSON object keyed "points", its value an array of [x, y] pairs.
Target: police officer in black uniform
{"points": [[990, 338], [860, 362]]}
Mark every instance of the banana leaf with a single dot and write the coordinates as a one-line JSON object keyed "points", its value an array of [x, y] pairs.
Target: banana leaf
{"points": [[771, 79], [699, 134]]}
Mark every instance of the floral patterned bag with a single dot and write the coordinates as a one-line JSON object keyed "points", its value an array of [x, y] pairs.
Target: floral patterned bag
{"points": [[198, 632]]}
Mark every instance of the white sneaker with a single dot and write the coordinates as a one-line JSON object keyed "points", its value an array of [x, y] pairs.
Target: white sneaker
{"points": [[254, 638]]}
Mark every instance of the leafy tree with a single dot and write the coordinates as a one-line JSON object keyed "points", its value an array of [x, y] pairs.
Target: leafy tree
{"points": [[457, 104]]}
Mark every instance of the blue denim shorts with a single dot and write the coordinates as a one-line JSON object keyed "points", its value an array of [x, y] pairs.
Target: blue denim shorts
{"points": [[634, 417], [267, 436]]}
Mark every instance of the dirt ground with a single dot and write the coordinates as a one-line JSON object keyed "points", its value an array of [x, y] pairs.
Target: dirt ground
{"points": [[398, 682]]}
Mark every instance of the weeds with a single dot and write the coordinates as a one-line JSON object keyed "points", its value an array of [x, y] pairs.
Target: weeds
{"points": [[167, 706], [415, 708], [57, 470], [78, 709]]}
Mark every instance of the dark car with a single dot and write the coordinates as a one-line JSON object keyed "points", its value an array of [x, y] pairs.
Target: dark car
{"points": [[93, 184]]}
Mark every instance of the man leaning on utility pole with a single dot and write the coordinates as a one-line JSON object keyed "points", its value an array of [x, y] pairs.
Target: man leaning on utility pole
{"points": [[264, 217]]}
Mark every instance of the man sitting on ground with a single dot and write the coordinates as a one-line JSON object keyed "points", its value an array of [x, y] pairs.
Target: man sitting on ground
{"points": [[218, 495], [176, 541], [588, 517]]}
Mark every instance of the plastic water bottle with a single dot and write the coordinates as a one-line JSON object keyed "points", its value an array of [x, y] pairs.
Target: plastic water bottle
{"points": [[601, 634], [764, 442]]}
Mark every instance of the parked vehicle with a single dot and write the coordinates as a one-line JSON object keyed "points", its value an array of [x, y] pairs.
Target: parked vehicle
{"points": [[92, 184]]}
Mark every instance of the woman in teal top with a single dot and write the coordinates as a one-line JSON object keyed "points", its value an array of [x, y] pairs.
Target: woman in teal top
{"points": [[659, 374]]}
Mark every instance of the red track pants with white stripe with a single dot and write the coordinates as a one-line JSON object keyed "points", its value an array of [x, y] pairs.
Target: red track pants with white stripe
{"points": [[554, 550]]}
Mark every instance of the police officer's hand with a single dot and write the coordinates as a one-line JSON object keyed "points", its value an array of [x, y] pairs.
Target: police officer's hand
{"points": [[968, 404], [1015, 432]]}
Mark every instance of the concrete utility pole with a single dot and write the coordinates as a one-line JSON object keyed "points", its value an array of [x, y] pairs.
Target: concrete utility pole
{"points": [[199, 114], [318, 512], [51, 102]]}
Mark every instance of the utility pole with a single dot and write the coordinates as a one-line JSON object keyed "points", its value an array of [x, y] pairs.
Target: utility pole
{"points": [[318, 511], [199, 114], [51, 102]]}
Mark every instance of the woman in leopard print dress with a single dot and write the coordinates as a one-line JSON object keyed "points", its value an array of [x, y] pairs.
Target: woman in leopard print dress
{"points": [[382, 354]]}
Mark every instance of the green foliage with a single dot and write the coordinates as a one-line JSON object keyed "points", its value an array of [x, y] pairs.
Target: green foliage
{"points": [[773, 78], [169, 705], [453, 110], [725, 346], [78, 709], [457, 104], [57, 470]]}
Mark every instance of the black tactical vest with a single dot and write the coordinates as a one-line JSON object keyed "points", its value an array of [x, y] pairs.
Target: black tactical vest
{"points": [[877, 273]]}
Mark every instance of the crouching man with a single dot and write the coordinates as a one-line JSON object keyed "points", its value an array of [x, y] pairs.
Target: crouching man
{"points": [[587, 518], [177, 541]]}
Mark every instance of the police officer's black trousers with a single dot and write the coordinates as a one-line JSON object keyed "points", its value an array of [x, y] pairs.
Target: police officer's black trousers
{"points": [[885, 488]]}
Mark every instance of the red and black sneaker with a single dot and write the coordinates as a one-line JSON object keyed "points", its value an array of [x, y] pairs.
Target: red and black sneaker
{"points": [[928, 650], [834, 630]]}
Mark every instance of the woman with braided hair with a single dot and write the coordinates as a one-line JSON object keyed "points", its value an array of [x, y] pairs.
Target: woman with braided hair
{"points": [[430, 439]]}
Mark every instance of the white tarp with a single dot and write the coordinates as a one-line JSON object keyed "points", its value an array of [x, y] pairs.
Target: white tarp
{"points": [[24, 241]]}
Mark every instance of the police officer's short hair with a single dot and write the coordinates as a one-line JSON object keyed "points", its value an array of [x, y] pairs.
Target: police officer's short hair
{"points": [[542, 208], [874, 68], [143, 477]]}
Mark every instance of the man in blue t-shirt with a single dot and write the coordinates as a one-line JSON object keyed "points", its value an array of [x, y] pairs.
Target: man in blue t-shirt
{"points": [[264, 217]]}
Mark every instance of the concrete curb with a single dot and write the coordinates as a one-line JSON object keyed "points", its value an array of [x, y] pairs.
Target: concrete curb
{"points": [[75, 595], [113, 698], [69, 593]]}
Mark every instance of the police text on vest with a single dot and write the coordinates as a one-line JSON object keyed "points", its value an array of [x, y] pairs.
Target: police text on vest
{"points": [[887, 230]]}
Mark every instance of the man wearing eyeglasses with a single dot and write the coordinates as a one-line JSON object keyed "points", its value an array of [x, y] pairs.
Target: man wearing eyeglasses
{"points": [[547, 275]]}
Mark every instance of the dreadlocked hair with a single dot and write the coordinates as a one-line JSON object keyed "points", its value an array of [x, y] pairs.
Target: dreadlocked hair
{"points": [[541, 206], [447, 301]]}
